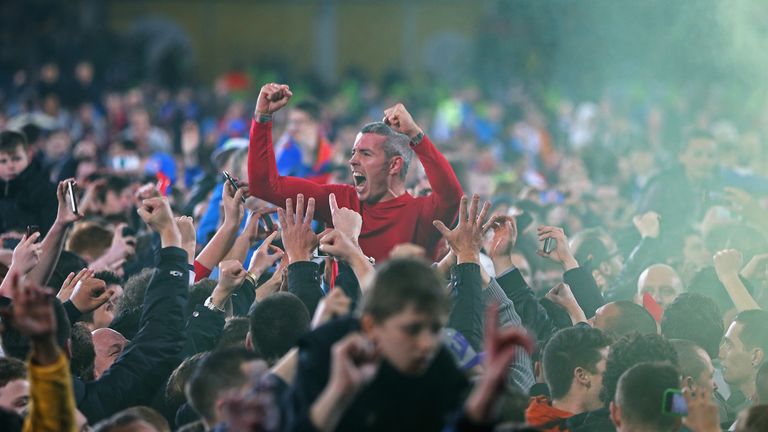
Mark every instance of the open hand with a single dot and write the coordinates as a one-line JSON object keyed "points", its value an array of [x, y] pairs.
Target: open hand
{"points": [[466, 239], [298, 238]]}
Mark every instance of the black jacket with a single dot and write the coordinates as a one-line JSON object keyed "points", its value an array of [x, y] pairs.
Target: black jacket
{"points": [[392, 401], [29, 199], [304, 282], [153, 353], [543, 317], [468, 307]]}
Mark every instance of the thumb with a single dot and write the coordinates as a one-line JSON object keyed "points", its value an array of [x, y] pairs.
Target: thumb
{"points": [[441, 227]]}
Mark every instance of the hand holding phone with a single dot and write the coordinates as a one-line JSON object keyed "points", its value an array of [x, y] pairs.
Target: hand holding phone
{"points": [[674, 403], [71, 189], [232, 182]]}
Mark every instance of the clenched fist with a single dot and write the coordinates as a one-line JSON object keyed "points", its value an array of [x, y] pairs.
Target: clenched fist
{"points": [[400, 120], [272, 97]]}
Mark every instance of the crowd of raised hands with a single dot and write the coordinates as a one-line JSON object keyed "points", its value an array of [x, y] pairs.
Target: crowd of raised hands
{"points": [[256, 263]]}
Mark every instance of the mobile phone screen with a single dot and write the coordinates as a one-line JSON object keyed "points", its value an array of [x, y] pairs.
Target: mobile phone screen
{"points": [[674, 403]]}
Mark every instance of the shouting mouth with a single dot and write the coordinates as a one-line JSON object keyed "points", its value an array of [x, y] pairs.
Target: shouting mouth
{"points": [[360, 180]]}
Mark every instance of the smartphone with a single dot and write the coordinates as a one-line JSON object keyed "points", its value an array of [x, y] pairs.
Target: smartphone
{"points": [[31, 229], [674, 403], [269, 225], [71, 187], [232, 182], [549, 245]]}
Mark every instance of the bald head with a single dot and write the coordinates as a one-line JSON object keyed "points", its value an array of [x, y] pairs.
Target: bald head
{"points": [[662, 283], [108, 345]]}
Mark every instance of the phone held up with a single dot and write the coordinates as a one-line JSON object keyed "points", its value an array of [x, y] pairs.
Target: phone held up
{"points": [[674, 403], [232, 182], [71, 191]]}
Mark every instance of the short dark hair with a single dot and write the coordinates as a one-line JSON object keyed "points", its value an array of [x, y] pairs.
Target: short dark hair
{"points": [[754, 331], [68, 263], [113, 183], [83, 353], [309, 106], [762, 383], [688, 357], [276, 324], [217, 373], [11, 369], [640, 395], [753, 419], [632, 318], [174, 388], [133, 414], [630, 350], [234, 333], [696, 318], [567, 350], [109, 278], [10, 140], [400, 283], [18, 345], [397, 144]]}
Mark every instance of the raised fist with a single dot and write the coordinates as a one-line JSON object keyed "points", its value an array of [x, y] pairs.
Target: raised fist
{"points": [[272, 97], [400, 120]]}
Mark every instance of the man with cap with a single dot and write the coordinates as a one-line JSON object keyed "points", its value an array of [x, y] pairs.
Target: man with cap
{"points": [[224, 159]]}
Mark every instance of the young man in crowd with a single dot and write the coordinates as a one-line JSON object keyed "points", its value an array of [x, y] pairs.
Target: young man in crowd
{"points": [[14, 385], [574, 362], [26, 196], [742, 352], [380, 159]]}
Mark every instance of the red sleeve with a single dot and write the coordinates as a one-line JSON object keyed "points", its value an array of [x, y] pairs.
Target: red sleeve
{"points": [[201, 271], [446, 189], [266, 183]]}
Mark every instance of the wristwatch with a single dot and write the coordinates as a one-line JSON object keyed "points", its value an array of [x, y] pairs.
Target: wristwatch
{"points": [[262, 117], [209, 304], [417, 139]]}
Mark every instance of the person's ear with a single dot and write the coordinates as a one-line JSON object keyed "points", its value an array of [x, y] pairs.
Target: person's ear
{"points": [[583, 377], [615, 415], [688, 382], [396, 165], [248, 341], [757, 357], [366, 324]]}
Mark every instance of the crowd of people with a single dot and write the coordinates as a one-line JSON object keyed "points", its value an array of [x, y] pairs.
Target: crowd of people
{"points": [[394, 258]]}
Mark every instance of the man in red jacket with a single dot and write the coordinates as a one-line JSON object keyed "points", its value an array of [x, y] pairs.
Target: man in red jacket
{"points": [[380, 158]]}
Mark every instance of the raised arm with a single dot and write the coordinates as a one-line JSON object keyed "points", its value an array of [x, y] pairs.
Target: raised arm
{"points": [[149, 359], [727, 265], [53, 242], [264, 181], [446, 189], [224, 238]]}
